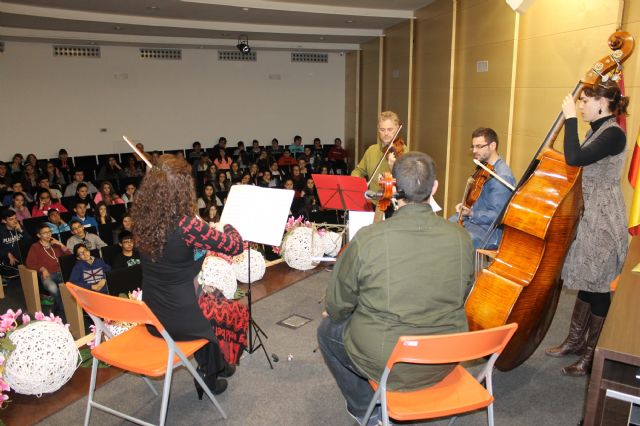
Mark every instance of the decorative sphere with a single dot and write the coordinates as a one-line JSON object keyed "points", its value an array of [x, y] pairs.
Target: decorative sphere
{"points": [[218, 273], [44, 359], [301, 245], [331, 243], [241, 266]]}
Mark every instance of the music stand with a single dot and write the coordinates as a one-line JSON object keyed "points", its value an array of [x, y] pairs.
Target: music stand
{"points": [[260, 216], [342, 192]]}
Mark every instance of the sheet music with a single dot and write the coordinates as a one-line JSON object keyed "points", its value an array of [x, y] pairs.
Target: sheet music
{"points": [[259, 214], [359, 220]]}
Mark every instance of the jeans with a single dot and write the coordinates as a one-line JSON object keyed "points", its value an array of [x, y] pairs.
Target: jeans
{"points": [[352, 383], [51, 283]]}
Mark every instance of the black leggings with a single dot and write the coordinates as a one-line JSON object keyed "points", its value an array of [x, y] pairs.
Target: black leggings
{"points": [[599, 302]]}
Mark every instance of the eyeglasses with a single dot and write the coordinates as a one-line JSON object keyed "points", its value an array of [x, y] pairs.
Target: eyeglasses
{"points": [[478, 147]]}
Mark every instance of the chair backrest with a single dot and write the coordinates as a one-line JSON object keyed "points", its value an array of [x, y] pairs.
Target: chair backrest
{"points": [[447, 348], [108, 253], [124, 280], [66, 265], [114, 308]]}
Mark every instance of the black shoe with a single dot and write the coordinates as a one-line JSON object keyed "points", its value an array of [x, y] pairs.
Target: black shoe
{"points": [[228, 371], [216, 386]]}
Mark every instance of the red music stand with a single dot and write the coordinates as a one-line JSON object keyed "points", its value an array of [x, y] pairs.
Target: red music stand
{"points": [[341, 192]]}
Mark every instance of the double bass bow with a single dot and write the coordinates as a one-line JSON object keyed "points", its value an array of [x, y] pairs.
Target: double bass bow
{"points": [[523, 284]]}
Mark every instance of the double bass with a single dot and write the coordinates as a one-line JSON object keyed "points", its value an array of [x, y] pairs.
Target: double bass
{"points": [[523, 283]]}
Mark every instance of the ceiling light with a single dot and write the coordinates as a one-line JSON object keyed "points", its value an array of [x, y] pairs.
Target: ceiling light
{"points": [[245, 8], [348, 21], [117, 28], [243, 44]]}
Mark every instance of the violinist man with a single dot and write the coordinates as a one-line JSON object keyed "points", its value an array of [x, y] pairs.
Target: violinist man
{"points": [[388, 124], [378, 293], [478, 219]]}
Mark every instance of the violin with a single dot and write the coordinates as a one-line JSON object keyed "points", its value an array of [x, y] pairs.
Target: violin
{"points": [[398, 146], [387, 185], [474, 187]]}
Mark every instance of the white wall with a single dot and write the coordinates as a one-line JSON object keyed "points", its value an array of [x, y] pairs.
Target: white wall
{"points": [[49, 102]]}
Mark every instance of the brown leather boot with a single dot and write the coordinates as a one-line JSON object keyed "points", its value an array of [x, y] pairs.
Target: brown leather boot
{"points": [[575, 343], [582, 366]]}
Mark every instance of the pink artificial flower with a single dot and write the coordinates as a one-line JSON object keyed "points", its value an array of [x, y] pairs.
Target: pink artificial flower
{"points": [[3, 398], [7, 323], [4, 387], [136, 294], [1, 360], [26, 319], [39, 316]]}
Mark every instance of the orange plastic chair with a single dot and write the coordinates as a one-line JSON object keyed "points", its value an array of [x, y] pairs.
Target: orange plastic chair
{"points": [[135, 350], [458, 392]]}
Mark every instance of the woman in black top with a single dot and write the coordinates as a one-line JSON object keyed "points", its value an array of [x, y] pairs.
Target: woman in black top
{"points": [[596, 255], [167, 231]]}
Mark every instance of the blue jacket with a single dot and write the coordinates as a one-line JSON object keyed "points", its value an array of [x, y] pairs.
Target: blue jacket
{"points": [[488, 206], [85, 275]]}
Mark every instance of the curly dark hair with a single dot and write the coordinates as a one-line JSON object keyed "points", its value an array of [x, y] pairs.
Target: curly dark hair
{"points": [[166, 194]]}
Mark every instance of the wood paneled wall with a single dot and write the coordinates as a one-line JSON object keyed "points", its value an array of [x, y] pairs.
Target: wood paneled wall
{"points": [[396, 72], [369, 97], [534, 60]]}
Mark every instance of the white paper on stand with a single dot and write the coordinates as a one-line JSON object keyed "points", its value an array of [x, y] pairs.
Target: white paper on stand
{"points": [[359, 220], [259, 214], [434, 206]]}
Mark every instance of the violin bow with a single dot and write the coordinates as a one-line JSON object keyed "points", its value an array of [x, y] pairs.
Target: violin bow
{"points": [[137, 151], [495, 175], [384, 155]]}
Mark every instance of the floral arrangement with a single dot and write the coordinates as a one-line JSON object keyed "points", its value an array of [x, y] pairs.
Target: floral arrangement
{"points": [[8, 324], [292, 224]]}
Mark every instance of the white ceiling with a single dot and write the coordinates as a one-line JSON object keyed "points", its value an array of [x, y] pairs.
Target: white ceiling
{"points": [[329, 25]]}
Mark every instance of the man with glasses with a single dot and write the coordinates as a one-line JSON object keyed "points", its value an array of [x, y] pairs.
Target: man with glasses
{"points": [[478, 219], [80, 236]]}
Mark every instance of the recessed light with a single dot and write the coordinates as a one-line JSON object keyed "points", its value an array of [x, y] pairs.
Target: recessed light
{"points": [[154, 8], [245, 8], [321, 38], [117, 28], [348, 21]]}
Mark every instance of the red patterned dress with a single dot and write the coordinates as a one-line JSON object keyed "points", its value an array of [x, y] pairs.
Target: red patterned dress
{"points": [[167, 284]]}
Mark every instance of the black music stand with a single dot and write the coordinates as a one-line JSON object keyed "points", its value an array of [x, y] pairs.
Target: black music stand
{"points": [[260, 216], [253, 326]]}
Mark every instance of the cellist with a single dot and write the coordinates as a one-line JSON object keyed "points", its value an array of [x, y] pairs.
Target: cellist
{"points": [[478, 218], [600, 247]]}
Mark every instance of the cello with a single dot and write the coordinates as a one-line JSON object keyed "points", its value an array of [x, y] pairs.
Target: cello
{"points": [[523, 283]]}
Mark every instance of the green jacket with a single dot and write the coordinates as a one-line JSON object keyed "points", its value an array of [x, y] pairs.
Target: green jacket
{"points": [[368, 163], [408, 275]]}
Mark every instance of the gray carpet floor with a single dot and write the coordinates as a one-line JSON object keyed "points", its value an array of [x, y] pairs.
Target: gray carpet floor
{"points": [[301, 391]]}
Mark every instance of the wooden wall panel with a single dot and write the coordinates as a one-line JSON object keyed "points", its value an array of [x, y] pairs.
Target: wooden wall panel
{"points": [[396, 72], [484, 32], [369, 101], [431, 79], [351, 103]]}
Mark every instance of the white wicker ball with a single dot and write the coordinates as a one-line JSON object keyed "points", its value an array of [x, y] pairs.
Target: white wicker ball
{"points": [[301, 245], [44, 359], [331, 243], [240, 266], [218, 273], [119, 327]]}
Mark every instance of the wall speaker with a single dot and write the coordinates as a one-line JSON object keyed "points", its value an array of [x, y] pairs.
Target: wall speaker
{"points": [[519, 6]]}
